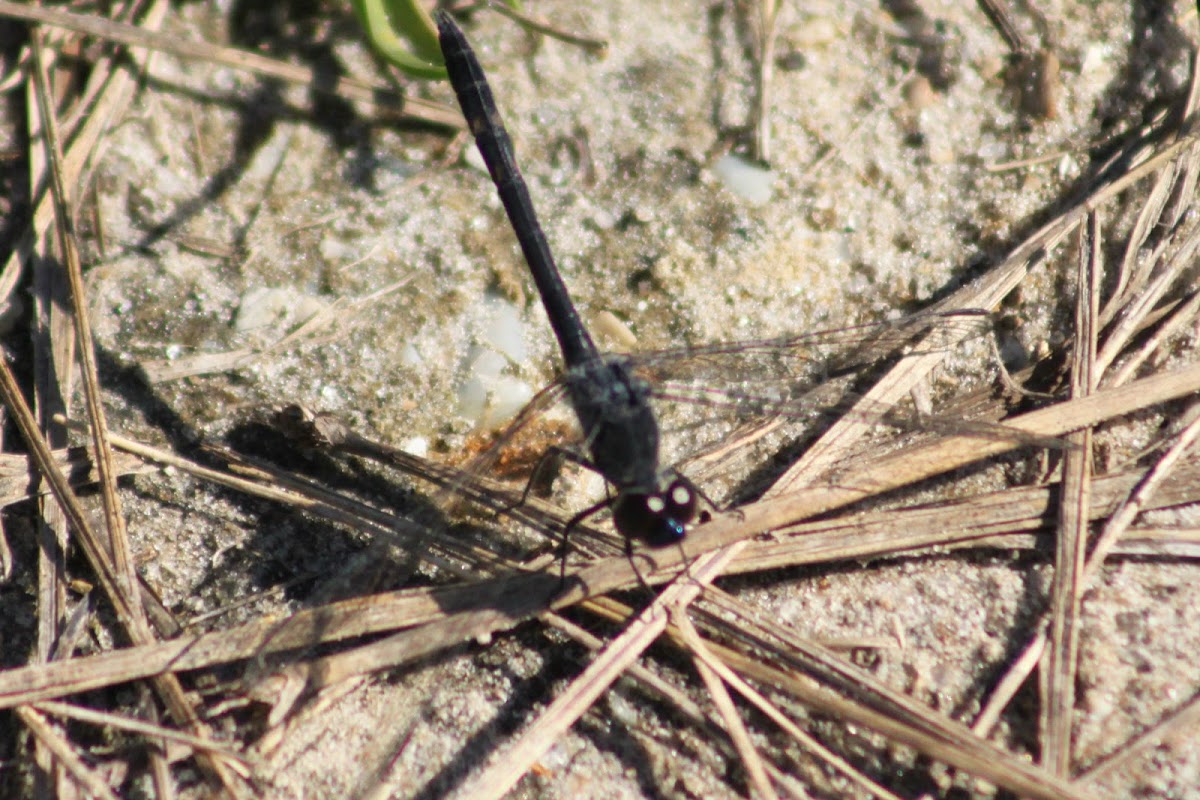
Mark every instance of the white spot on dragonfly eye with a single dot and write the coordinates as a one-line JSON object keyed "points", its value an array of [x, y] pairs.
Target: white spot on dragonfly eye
{"points": [[681, 495], [655, 504]]}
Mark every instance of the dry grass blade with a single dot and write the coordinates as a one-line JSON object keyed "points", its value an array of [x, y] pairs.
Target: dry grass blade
{"points": [[1185, 314], [120, 722], [986, 293], [434, 617], [711, 672], [691, 711], [597, 47], [1014, 678], [787, 725], [1142, 293], [1151, 485], [271, 483], [622, 614], [1002, 520], [1138, 497], [626, 648], [305, 629], [1058, 673], [895, 470], [130, 620], [117, 536], [74, 461], [52, 175], [775, 657], [767, 30], [1188, 386], [1146, 296], [57, 744], [54, 379], [113, 97]]}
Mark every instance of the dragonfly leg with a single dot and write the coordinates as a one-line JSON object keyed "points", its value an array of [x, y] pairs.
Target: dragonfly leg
{"points": [[572, 523], [637, 572], [554, 453]]}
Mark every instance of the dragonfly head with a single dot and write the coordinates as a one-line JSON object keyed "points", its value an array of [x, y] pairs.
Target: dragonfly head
{"points": [[657, 518]]}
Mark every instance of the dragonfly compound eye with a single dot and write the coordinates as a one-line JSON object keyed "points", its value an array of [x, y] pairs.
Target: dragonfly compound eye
{"points": [[658, 519]]}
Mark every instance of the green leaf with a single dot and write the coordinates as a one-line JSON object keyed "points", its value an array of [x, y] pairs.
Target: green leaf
{"points": [[404, 34]]}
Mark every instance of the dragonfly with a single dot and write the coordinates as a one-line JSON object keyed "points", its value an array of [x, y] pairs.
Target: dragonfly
{"points": [[611, 403], [611, 394]]}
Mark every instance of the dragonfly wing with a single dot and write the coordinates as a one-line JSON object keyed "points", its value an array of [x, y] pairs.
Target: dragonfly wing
{"points": [[795, 359], [746, 390], [520, 444]]}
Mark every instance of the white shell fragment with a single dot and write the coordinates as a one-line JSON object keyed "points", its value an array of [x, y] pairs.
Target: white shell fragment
{"points": [[489, 395], [504, 332], [748, 181]]}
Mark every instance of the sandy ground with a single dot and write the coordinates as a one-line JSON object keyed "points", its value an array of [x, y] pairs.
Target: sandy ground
{"points": [[230, 212]]}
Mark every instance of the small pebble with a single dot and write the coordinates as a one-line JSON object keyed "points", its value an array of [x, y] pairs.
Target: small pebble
{"points": [[919, 94], [610, 327]]}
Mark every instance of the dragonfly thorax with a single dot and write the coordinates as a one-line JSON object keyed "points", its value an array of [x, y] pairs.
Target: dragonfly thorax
{"points": [[619, 428]]}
